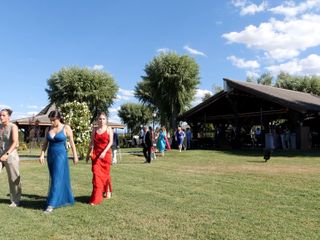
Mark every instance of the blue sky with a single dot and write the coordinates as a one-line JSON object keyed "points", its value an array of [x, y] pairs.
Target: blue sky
{"points": [[231, 38]]}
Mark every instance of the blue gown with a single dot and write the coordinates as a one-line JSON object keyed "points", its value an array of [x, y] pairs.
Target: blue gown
{"points": [[60, 192], [161, 144]]}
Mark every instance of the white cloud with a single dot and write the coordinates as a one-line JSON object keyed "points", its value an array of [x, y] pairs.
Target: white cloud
{"points": [[307, 66], [163, 50], [239, 3], [199, 95], [290, 9], [114, 119], [114, 110], [98, 67], [252, 74], [193, 51], [2, 106], [253, 9], [248, 8], [241, 63], [113, 115], [280, 39], [33, 107], [124, 94]]}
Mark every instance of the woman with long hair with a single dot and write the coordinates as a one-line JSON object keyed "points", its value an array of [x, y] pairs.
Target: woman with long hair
{"points": [[60, 192], [101, 155]]}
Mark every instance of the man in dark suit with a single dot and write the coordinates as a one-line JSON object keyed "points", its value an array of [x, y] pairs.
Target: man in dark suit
{"points": [[147, 144], [115, 146]]}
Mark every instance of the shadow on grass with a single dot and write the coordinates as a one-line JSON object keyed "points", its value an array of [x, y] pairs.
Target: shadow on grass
{"points": [[82, 199], [37, 202], [256, 161], [276, 153], [135, 153], [32, 202]]}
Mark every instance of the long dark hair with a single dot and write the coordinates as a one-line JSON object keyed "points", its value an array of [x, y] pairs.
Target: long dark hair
{"points": [[56, 114]]}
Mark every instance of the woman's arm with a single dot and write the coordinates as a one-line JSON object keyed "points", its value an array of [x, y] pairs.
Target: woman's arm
{"points": [[14, 144], [44, 146], [110, 133], [91, 145], [69, 134]]}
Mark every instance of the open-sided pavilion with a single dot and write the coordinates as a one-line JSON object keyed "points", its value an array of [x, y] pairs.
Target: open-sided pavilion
{"points": [[228, 117]]}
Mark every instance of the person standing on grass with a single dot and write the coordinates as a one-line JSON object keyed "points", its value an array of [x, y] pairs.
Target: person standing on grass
{"points": [[161, 142], [100, 154], [147, 144], [153, 147], [9, 158], [189, 137], [115, 147], [179, 137], [60, 192]]}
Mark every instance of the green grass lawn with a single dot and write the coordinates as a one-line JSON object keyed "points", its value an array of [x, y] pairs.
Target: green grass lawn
{"points": [[188, 195]]}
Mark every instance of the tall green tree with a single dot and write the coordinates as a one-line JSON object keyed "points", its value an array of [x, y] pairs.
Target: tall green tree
{"points": [[309, 84], [134, 115], [96, 88], [169, 85], [265, 79]]}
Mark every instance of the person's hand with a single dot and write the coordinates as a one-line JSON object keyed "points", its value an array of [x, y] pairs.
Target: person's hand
{"points": [[4, 158], [75, 160], [102, 155], [87, 158], [41, 159]]}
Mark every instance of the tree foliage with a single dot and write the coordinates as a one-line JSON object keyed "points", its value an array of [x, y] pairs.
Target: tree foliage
{"points": [[134, 115], [169, 85], [78, 116], [206, 96], [309, 84], [265, 79], [96, 88]]}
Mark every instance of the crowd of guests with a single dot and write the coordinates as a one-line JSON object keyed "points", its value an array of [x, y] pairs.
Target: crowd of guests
{"points": [[159, 141]]}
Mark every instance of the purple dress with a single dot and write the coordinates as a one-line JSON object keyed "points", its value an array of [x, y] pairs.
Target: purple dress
{"points": [[180, 137]]}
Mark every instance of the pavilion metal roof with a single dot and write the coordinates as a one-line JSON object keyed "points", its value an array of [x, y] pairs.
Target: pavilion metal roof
{"points": [[298, 101]]}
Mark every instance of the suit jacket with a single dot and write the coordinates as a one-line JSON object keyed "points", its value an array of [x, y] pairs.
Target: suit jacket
{"points": [[148, 139]]}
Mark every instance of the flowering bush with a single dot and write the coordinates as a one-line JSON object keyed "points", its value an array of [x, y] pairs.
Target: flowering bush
{"points": [[78, 116]]}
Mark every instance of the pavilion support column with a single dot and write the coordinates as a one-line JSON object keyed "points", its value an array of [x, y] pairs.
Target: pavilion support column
{"points": [[235, 123]]}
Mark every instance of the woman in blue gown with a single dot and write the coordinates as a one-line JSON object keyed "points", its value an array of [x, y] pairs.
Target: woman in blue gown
{"points": [[60, 192], [161, 143]]}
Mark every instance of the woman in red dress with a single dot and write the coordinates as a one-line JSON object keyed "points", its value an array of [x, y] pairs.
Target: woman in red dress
{"points": [[101, 155]]}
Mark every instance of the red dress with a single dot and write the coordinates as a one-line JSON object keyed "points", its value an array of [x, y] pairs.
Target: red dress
{"points": [[101, 180]]}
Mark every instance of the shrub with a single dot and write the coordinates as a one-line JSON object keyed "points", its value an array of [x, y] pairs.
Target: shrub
{"points": [[78, 116]]}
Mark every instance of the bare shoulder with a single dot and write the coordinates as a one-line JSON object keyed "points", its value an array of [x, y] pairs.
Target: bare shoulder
{"points": [[109, 129], [67, 127], [14, 126]]}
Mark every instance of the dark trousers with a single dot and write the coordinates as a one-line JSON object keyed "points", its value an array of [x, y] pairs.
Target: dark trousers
{"points": [[147, 153]]}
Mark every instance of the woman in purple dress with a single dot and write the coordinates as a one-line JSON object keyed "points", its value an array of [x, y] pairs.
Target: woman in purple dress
{"points": [[179, 138]]}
